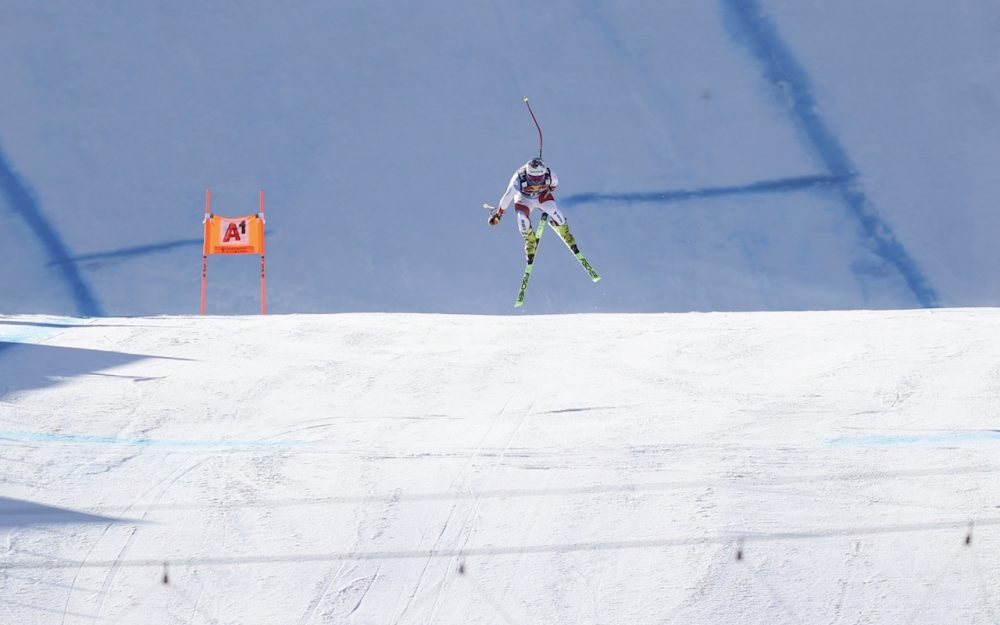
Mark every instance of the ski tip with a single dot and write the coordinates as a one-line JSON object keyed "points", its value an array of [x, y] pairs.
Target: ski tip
{"points": [[525, 99], [597, 279]]}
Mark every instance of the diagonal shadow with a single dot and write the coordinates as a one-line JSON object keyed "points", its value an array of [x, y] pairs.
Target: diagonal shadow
{"points": [[27, 366], [672, 196], [724, 539], [754, 29], [138, 250], [20, 513], [24, 204], [734, 482]]}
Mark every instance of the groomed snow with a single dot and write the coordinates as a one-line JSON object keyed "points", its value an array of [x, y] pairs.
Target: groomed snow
{"points": [[402, 468]]}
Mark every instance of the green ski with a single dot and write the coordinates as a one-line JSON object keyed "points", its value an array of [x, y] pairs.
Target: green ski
{"points": [[563, 232], [586, 265], [531, 262]]}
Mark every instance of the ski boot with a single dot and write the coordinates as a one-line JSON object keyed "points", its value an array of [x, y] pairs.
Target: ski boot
{"points": [[567, 237], [530, 245]]}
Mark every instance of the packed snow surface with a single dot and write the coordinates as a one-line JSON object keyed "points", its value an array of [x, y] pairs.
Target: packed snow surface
{"points": [[834, 467]]}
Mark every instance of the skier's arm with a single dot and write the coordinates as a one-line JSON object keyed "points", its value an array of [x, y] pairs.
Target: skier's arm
{"points": [[555, 180], [505, 200], [508, 195]]}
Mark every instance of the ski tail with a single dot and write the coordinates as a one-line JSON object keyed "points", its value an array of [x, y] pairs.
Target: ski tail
{"points": [[594, 276]]}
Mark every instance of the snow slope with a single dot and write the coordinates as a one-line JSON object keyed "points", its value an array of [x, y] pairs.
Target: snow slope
{"points": [[727, 155], [401, 468]]}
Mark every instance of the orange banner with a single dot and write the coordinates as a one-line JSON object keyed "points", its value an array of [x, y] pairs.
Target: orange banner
{"points": [[234, 235]]}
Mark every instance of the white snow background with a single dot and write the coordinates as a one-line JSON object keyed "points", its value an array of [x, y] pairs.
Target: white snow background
{"points": [[400, 468], [820, 449]]}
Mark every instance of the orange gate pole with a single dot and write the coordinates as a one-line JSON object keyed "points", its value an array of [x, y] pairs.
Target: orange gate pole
{"points": [[204, 254], [263, 289]]}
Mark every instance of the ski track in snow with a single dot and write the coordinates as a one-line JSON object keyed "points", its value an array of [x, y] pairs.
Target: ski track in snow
{"points": [[462, 480], [472, 516]]}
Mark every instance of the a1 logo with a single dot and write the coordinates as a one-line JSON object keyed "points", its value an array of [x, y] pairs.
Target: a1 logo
{"points": [[233, 231]]}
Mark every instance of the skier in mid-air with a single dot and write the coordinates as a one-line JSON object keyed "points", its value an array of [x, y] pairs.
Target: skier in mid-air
{"points": [[531, 189]]}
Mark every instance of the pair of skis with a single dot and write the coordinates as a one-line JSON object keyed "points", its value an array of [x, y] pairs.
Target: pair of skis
{"points": [[529, 265], [594, 277]]}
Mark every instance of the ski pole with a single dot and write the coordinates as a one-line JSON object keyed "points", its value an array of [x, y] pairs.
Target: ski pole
{"points": [[534, 119]]}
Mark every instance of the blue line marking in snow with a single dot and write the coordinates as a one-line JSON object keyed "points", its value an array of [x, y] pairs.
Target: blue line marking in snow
{"points": [[759, 34], [23, 336], [23, 204], [86, 439], [916, 439], [13, 335], [782, 185]]}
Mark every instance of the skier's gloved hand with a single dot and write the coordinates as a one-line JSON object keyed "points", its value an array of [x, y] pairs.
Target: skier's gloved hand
{"points": [[495, 218]]}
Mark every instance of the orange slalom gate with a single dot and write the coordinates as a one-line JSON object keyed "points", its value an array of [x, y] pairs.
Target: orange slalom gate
{"points": [[233, 235]]}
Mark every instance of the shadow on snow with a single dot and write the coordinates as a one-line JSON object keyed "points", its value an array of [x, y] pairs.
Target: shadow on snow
{"points": [[20, 513], [27, 366]]}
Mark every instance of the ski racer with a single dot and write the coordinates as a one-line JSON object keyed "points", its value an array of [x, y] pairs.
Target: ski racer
{"points": [[531, 189]]}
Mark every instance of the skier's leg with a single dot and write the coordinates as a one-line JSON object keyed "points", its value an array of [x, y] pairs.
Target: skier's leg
{"points": [[547, 204], [558, 222], [527, 232]]}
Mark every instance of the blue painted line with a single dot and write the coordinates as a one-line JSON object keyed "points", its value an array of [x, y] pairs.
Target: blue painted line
{"points": [[23, 336], [20, 333], [86, 439], [72, 323], [751, 27], [783, 185], [919, 439], [23, 203]]}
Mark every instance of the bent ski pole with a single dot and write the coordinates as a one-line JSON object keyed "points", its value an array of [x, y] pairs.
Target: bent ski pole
{"points": [[534, 119]]}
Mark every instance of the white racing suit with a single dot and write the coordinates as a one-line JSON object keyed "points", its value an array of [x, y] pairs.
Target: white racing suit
{"points": [[527, 197]]}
